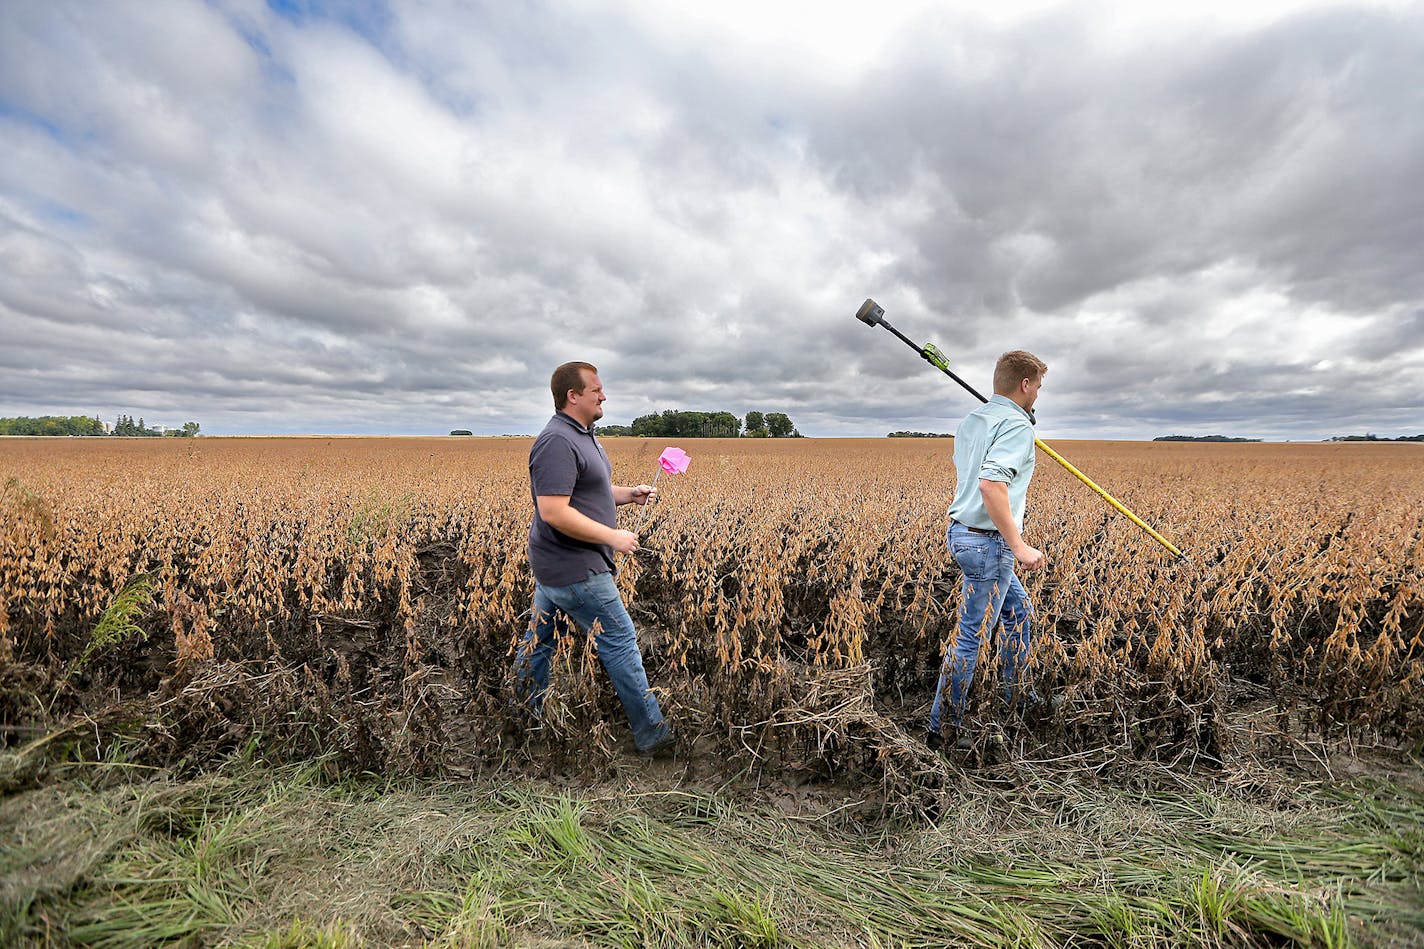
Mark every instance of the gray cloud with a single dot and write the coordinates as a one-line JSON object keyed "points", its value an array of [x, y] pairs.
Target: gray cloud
{"points": [[381, 219]]}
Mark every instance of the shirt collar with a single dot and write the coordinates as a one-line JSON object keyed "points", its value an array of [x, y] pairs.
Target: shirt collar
{"points": [[1005, 400], [561, 414]]}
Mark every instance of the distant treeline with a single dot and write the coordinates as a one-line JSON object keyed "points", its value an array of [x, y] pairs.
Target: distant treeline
{"points": [[919, 435], [52, 425], [1376, 438], [671, 423], [124, 426], [1202, 438]]}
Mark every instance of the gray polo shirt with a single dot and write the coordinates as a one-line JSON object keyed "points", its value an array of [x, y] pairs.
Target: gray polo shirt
{"points": [[567, 460]]}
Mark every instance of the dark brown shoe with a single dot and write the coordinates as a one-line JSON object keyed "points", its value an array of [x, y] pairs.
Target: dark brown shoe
{"points": [[663, 748]]}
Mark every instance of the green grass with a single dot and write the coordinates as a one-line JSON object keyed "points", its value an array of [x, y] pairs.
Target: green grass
{"points": [[254, 857], [376, 516], [118, 620]]}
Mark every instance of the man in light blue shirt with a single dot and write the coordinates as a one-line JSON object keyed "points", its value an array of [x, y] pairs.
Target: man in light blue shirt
{"points": [[994, 459]]}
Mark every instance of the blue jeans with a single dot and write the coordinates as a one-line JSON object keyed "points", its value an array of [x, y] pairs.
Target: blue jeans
{"points": [[595, 600], [993, 595]]}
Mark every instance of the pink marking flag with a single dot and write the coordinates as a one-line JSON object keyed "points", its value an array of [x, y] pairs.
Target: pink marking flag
{"points": [[674, 460]]}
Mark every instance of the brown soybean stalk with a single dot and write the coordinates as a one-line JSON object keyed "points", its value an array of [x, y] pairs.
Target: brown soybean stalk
{"points": [[362, 598]]}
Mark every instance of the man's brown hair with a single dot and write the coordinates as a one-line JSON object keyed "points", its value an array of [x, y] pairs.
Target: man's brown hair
{"points": [[566, 377], [1014, 367]]}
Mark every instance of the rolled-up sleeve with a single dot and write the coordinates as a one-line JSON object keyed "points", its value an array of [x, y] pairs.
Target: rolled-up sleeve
{"points": [[1009, 449]]}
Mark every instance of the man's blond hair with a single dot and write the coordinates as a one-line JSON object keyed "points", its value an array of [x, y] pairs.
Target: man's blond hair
{"points": [[1014, 367]]}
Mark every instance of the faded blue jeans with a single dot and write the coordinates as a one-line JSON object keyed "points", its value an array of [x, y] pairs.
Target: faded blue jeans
{"points": [[993, 596], [586, 602]]}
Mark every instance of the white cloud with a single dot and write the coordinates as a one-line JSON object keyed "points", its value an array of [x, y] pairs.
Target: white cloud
{"points": [[400, 219]]}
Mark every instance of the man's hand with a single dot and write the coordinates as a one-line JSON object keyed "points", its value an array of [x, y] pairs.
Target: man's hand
{"points": [[624, 542], [643, 494], [1031, 557], [996, 503]]}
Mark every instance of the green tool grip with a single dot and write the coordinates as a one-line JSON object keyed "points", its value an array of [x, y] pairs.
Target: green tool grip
{"points": [[934, 357]]}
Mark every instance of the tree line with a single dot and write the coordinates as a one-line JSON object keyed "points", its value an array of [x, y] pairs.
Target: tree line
{"points": [[124, 426], [1203, 438], [671, 423]]}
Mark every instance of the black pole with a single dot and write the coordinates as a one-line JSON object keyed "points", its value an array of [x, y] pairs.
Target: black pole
{"points": [[872, 314]]}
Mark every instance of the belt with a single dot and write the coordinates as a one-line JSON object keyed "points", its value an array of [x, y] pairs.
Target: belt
{"points": [[977, 530]]}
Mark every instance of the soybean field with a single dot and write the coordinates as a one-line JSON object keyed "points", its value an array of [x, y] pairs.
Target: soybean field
{"points": [[352, 606]]}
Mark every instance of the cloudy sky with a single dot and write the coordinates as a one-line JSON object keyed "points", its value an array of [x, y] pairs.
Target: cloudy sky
{"points": [[381, 217]]}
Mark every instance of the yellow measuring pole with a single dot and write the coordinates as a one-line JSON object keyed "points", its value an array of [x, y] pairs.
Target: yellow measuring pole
{"points": [[1106, 497]]}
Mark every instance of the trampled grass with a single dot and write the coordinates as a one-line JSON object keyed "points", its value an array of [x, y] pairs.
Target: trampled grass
{"points": [[259, 857]]}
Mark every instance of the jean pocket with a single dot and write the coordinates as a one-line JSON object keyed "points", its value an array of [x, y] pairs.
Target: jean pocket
{"points": [[978, 560], [598, 591]]}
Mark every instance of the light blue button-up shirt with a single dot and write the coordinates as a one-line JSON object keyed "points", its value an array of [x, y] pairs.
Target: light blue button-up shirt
{"points": [[995, 443]]}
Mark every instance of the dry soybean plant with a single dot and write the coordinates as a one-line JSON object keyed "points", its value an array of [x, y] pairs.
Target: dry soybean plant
{"points": [[361, 599]]}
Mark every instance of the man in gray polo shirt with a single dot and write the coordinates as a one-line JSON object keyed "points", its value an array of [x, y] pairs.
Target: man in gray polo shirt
{"points": [[572, 542], [994, 460]]}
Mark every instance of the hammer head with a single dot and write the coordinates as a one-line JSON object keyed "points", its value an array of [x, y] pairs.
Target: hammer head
{"points": [[870, 313]]}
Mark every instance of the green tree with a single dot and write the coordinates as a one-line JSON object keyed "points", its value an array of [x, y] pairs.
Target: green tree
{"points": [[724, 425], [126, 427], [649, 426], [51, 425], [779, 425], [671, 423], [674, 423]]}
